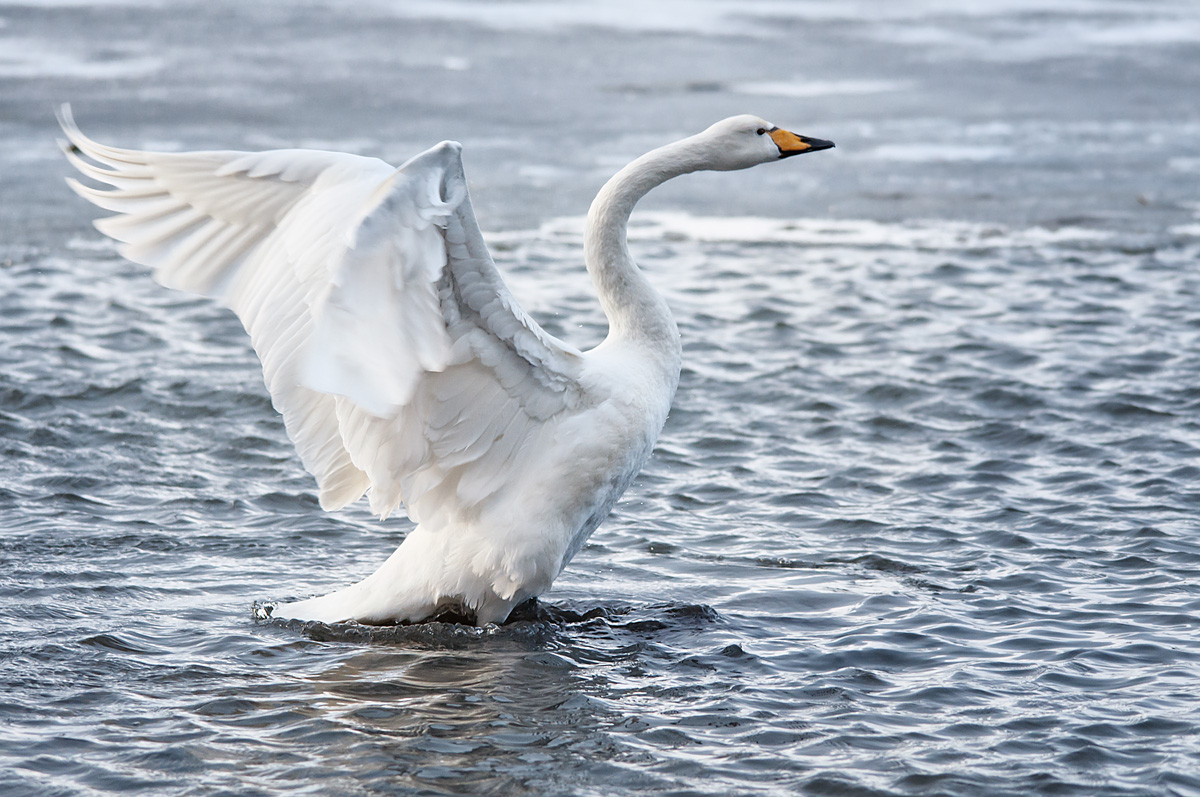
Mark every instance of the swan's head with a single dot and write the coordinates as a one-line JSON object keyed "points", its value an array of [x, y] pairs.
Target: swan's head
{"points": [[740, 142]]}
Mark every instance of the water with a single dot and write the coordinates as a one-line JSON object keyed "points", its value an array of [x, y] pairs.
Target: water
{"points": [[923, 520]]}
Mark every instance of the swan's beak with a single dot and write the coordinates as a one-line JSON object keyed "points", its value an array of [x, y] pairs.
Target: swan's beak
{"points": [[791, 144]]}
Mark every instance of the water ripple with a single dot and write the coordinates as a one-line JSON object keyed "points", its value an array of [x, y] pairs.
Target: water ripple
{"points": [[922, 520]]}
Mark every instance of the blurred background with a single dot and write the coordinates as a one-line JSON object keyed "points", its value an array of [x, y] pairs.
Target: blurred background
{"points": [[1005, 111]]}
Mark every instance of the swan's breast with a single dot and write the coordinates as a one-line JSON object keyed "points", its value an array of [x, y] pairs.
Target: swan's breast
{"points": [[604, 448], [585, 461]]}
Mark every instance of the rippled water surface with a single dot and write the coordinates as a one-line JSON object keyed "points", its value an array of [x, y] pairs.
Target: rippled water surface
{"points": [[922, 521]]}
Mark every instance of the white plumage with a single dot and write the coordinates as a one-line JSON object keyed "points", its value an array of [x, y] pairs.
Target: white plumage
{"points": [[402, 365]]}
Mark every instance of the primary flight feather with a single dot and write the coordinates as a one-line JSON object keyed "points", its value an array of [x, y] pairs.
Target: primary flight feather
{"points": [[401, 364]]}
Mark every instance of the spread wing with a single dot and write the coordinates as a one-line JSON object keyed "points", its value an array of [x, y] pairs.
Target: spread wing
{"points": [[391, 346]]}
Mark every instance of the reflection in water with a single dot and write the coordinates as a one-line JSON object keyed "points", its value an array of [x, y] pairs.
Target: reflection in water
{"points": [[440, 702], [476, 717]]}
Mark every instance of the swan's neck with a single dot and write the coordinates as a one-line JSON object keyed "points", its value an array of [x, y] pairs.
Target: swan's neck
{"points": [[636, 312]]}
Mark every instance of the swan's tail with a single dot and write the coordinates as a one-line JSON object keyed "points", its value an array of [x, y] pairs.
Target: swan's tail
{"points": [[407, 588]]}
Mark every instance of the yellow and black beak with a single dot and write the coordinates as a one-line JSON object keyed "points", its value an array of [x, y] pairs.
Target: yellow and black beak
{"points": [[791, 144]]}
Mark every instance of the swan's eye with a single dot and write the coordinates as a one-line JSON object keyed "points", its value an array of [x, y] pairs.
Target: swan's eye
{"points": [[761, 130]]}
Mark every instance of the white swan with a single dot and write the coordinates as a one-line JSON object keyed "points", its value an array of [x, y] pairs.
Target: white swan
{"points": [[400, 362]]}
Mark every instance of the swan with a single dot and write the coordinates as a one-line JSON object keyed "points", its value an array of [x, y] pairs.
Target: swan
{"points": [[401, 364]]}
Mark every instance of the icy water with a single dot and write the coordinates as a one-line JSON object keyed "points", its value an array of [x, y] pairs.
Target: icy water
{"points": [[922, 522]]}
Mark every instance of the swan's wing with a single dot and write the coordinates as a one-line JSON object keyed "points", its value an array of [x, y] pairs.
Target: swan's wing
{"points": [[472, 405], [391, 346]]}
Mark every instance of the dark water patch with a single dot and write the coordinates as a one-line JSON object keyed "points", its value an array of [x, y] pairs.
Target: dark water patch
{"points": [[883, 564], [997, 398], [1154, 443], [789, 564], [286, 503], [927, 481], [225, 708], [533, 622], [70, 482], [104, 396], [805, 499], [115, 643], [839, 484], [76, 501], [892, 426], [16, 399], [1128, 409], [1000, 435], [720, 444], [893, 395]]}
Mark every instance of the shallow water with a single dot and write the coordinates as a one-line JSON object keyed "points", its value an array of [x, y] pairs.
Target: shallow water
{"points": [[922, 521]]}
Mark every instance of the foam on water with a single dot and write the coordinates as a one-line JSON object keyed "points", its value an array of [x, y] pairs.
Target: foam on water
{"points": [[915, 234]]}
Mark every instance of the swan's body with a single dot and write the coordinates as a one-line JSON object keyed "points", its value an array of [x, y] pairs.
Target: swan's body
{"points": [[400, 362]]}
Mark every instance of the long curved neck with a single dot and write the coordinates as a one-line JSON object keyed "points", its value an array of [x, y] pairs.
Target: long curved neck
{"points": [[636, 312]]}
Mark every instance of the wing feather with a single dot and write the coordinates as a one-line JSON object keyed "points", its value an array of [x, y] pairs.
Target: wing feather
{"points": [[230, 205], [389, 342]]}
